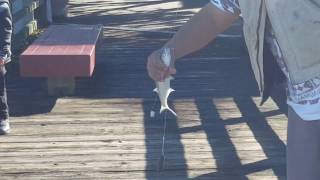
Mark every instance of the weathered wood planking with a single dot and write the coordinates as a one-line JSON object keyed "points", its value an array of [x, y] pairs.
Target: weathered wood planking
{"points": [[104, 131]]}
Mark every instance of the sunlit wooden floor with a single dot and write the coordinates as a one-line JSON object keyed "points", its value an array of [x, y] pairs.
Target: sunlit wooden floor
{"points": [[104, 131]]}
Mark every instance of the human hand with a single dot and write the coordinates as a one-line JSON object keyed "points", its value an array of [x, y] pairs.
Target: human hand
{"points": [[157, 70]]}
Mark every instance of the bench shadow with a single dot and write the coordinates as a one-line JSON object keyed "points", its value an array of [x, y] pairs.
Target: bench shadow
{"points": [[27, 96]]}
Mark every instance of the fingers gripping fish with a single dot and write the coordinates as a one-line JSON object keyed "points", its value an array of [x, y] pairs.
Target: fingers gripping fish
{"points": [[163, 88]]}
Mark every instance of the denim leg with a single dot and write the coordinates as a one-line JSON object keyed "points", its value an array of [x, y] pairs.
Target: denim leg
{"points": [[303, 148], [4, 109]]}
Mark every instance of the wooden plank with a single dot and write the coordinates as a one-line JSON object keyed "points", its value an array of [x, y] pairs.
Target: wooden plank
{"points": [[126, 165], [123, 147], [211, 174], [60, 155]]}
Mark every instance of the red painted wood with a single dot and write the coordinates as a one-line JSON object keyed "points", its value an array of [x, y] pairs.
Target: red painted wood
{"points": [[61, 51]]}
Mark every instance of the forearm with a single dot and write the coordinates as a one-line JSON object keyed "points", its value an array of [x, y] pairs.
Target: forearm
{"points": [[200, 30], [5, 29]]}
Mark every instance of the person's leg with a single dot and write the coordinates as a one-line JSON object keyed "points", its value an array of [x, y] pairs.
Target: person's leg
{"points": [[303, 148], [5, 53], [4, 110]]}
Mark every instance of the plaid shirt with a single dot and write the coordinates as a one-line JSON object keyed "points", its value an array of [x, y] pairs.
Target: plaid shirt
{"points": [[227, 5]]}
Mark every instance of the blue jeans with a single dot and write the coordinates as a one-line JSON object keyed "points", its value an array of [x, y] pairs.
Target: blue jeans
{"points": [[5, 53], [303, 148], [4, 109]]}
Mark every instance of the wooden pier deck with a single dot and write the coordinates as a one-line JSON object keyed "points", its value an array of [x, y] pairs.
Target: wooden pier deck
{"points": [[105, 132]]}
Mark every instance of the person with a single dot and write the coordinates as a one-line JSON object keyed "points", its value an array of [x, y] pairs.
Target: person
{"points": [[290, 30], [5, 57]]}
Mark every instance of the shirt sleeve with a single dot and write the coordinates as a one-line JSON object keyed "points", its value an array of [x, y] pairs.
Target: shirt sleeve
{"points": [[231, 6]]}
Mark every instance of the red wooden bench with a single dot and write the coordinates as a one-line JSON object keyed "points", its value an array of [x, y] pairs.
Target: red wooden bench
{"points": [[62, 53]]}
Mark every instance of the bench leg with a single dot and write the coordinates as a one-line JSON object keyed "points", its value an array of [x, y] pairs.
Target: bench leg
{"points": [[61, 86]]}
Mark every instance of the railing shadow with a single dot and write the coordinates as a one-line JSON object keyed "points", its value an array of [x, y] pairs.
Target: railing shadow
{"points": [[227, 160]]}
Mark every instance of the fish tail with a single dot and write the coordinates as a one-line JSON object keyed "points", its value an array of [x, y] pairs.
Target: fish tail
{"points": [[163, 108], [155, 90]]}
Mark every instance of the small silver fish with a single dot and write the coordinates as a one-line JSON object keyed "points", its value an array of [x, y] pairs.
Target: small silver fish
{"points": [[163, 88]]}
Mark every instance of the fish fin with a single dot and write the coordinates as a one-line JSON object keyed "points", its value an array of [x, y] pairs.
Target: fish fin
{"points": [[163, 108], [174, 113], [156, 90], [170, 91]]}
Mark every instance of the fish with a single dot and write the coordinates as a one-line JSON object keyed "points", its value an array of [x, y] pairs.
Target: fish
{"points": [[163, 88]]}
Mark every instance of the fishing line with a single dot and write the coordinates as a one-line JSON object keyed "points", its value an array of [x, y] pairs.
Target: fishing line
{"points": [[163, 155], [155, 101], [162, 159]]}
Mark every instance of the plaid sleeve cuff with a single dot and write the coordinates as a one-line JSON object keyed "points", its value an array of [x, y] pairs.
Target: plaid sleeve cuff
{"points": [[231, 6]]}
